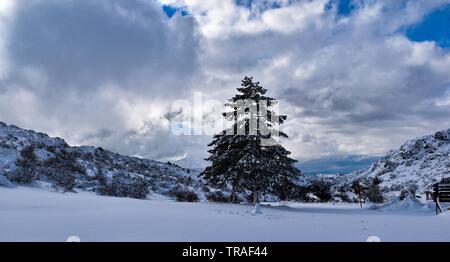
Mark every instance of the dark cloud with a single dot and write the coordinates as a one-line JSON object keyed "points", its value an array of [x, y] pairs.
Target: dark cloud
{"points": [[84, 44], [95, 72]]}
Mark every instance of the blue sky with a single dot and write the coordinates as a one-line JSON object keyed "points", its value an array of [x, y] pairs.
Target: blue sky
{"points": [[434, 27], [343, 7], [171, 10]]}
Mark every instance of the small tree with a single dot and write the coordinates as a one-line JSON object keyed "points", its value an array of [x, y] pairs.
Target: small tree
{"points": [[217, 196], [408, 191], [27, 167], [322, 189], [100, 177], [62, 170], [65, 181], [361, 190], [183, 194], [374, 192], [124, 185]]}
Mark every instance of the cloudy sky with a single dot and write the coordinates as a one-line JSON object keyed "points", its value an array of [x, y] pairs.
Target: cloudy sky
{"points": [[354, 76]]}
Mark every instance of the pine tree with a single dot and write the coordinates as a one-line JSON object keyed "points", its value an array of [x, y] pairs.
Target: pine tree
{"points": [[374, 193], [247, 155]]}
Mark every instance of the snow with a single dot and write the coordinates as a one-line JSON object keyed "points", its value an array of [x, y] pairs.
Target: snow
{"points": [[409, 203], [419, 162], [5, 182], [162, 177], [257, 209], [7, 158], [33, 214]]}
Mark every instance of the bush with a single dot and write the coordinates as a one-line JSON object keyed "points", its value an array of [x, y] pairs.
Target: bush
{"points": [[21, 176], [184, 195], [124, 185], [62, 170], [186, 180], [27, 167], [299, 193], [311, 198], [4, 181], [445, 180], [343, 196], [374, 193], [322, 189], [408, 192], [206, 189], [249, 197], [217, 196], [62, 180]]}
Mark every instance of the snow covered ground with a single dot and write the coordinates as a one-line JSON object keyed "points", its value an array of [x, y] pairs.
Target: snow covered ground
{"points": [[33, 214]]}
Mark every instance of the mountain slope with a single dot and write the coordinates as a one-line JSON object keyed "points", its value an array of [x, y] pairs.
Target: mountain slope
{"points": [[88, 165], [417, 165]]}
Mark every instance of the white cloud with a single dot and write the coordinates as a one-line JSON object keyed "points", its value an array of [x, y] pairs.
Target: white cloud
{"points": [[220, 18], [295, 17], [6, 10], [366, 86], [6, 7], [350, 84]]}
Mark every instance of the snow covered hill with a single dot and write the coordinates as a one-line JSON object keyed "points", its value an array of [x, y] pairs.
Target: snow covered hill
{"points": [[416, 166], [38, 215], [55, 162]]}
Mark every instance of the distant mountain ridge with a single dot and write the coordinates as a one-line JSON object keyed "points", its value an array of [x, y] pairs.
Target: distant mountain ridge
{"points": [[336, 164]]}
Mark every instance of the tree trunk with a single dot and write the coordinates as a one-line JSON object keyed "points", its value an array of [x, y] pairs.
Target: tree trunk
{"points": [[233, 197], [255, 197]]}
